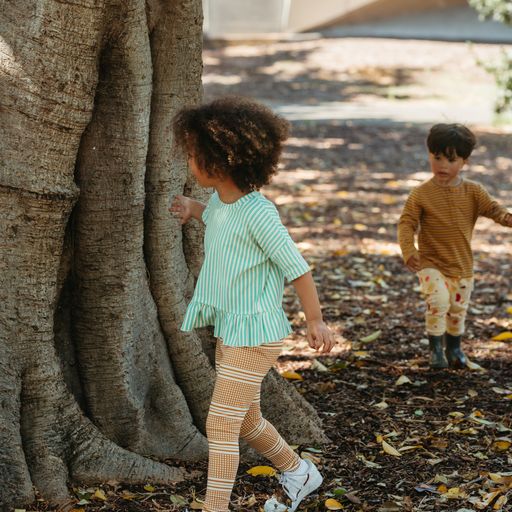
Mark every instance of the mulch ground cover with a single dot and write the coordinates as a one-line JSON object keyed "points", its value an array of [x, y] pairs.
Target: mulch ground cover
{"points": [[403, 437]]}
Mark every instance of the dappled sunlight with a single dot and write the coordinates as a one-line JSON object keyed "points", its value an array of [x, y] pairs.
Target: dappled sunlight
{"points": [[8, 65]]}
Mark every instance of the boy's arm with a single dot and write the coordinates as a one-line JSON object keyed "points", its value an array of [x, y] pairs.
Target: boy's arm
{"points": [[489, 207], [408, 225], [318, 333]]}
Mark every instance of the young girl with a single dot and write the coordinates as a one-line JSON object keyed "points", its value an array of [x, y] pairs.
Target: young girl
{"points": [[233, 146]]}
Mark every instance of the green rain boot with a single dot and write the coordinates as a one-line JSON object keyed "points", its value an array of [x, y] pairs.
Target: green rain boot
{"points": [[437, 358], [454, 354]]}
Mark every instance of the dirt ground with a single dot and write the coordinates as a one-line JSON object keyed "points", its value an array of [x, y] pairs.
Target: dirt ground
{"points": [[343, 182]]}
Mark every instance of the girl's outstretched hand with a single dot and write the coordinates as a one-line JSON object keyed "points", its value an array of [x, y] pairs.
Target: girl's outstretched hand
{"points": [[181, 207], [319, 334]]}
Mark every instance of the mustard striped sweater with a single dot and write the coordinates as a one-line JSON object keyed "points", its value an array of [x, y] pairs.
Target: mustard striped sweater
{"points": [[445, 217]]}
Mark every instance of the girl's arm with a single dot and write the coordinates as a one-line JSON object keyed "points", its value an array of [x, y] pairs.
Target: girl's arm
{"points": [[185, 208], [318, 333]]}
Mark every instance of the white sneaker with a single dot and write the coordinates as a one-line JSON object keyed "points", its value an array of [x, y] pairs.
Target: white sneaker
{"points": [[297, 487]]}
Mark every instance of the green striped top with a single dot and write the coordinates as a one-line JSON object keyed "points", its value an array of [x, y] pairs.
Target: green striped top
{"points": [[248, 254]]}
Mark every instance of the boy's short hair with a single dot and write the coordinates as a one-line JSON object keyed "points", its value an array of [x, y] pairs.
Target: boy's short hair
{"points": [[451, 140]]}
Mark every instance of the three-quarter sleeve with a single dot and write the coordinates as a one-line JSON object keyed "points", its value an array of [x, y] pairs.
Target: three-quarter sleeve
{"points": [[408, 225], [206, 211], [275, 241]]}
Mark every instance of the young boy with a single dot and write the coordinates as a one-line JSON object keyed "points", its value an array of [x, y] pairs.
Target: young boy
{"points": [[445, 209]]}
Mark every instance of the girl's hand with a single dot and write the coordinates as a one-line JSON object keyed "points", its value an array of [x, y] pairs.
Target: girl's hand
{"points": [[319, 334], [413, 263], [181, 207]]}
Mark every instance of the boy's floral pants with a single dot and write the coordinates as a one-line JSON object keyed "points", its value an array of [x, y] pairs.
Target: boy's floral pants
{"points": [[447, 301]]}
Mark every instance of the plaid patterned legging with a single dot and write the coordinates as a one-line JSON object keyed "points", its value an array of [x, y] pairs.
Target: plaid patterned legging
{"points": [[234, 413]]}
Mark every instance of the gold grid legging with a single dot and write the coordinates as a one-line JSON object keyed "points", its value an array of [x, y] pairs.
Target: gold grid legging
{"points": [[234, 413]]}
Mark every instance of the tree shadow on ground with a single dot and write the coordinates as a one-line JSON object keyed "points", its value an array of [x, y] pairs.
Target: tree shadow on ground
{"points": [[291, 75]]}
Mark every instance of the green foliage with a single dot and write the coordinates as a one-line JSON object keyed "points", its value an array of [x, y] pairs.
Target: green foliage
{"points": [[499, 10]]}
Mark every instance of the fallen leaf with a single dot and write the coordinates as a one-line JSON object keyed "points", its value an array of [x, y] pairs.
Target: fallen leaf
{"points": [[332, 504], [371, 337], [390, 450], [502, 500], [504, 336], [368, 463], [502, 446], [195, 505], [261, 471], [178, 500], [381, 405], [403, 380], [390, 506], [149, 488], [99, 494], [318, 366], [292, 375]]}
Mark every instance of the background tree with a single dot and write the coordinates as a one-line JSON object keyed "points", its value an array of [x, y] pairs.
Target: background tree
{"points": [[499, 10], [96, 380]]}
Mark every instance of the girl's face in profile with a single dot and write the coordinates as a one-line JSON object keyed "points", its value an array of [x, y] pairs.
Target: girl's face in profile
{"points": [[203, 179]]}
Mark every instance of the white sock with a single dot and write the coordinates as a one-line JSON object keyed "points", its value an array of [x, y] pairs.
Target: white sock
{"points": [[301, 470]]}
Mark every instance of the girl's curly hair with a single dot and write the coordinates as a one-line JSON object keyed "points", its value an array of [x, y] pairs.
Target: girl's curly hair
{"points": [[233, 137]]}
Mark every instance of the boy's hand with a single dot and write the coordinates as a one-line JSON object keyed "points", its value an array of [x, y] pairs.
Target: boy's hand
{"points": [[319, 334], [181, 207], [413, 263], [508, 220]]}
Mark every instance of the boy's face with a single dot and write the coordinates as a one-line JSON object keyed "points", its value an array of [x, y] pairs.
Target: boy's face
{"points": [[446, 169]]}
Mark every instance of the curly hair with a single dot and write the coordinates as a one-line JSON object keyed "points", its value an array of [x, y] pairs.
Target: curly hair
{"points": [[233, 137], [451, 140]]}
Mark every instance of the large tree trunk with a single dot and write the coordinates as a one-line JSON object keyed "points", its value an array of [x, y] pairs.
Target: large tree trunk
{"points": [[95, 275]]}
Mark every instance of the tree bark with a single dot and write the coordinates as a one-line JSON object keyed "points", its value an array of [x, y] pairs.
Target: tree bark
{"points": [[95, 275]]}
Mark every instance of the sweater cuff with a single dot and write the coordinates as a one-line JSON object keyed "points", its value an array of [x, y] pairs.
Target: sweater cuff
{"points": [[408, 253]]}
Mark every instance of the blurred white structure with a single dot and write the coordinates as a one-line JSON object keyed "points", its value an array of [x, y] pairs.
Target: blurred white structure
{"points": [[224, 17]]}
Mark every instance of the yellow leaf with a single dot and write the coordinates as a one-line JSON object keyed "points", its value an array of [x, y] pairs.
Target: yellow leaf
{"points": [[195, 505], [149, 488], [502, 500], [261, 471], [507, 335], [127, 495], [454, 493], [390, 450], [371, 337], [409, 448], [332, 504], [442, 488], [360, 227], [291, 375], [509, 310], [502, 446], [361, 353], [456, 414], [475, 366], [403, 380], [99, 494], [379, 438], [509, 397]]}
